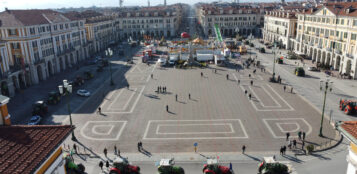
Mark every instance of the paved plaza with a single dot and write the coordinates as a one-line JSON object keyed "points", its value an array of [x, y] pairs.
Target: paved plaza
{"points": [[218, 116]]}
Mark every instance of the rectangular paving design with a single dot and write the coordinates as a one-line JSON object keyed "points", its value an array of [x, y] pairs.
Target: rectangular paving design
{"points": [[195, 129]]}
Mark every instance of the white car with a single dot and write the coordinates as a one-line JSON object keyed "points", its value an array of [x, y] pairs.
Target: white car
{"points": [[312, 68], [83, 93], [35, 120], [161, 62]]}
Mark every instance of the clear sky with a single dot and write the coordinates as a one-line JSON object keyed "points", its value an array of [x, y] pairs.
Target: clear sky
{"points": [[40, 4]]}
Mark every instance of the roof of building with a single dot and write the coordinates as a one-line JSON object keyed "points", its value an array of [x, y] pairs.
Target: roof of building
{"points": [[349, 129], [15, 18], [90, 16], [215, 10], [24, 148], [338, 8], [281, 14]]}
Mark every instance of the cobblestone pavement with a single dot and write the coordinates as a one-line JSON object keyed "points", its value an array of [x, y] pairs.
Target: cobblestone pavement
{"points": [[309, 87]]}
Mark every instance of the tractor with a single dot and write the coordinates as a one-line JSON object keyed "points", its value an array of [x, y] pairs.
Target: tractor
{"points": [[78, 81], [270, 166], [166, 166], [299, 71], [279, 61], [88, 75], [40, 108], [212, 167], [53, 97], [348, 106], [122, 166]]}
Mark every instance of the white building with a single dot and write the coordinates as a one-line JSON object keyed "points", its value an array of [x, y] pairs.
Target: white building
{"points": [[280, 27], [39, 44], [328, 35], [348, 130], [232, 20]]}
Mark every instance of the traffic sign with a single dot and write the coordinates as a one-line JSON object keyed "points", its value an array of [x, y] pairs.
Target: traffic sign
{"points": [[195, 144]]}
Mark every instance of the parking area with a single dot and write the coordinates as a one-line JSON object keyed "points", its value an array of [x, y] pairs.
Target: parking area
{"points": [[210, 110]]}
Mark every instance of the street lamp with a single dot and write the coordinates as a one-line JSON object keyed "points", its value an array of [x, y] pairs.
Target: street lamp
{"points": [[327, 86], [274, 50], [250, 40], [64, 90], [109, 53]]}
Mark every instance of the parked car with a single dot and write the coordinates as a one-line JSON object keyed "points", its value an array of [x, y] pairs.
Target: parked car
{"points": [[172, 62], [299, 71], [262, 50], [35, 120], [312, 68], [83, 93]]}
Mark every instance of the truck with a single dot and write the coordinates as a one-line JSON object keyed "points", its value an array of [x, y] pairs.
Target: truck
{"points": [[39, 108], [213, 167], [53, 97], [122, 166], [166, 166], [270, 166], [348, 106]]}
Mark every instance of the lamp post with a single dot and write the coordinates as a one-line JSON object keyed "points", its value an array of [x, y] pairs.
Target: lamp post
{"points": [[324, 85], [274, 49], [250, 40], [109, 53], [67, 89]]}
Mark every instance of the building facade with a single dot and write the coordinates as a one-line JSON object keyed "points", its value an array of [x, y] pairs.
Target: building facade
{"points": [[348, 130], [328, 34], [155, 21], [280, 27], [40, 43], [231, 20]]}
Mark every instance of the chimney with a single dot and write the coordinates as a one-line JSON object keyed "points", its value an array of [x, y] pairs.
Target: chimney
{"points": [[5, 116]]}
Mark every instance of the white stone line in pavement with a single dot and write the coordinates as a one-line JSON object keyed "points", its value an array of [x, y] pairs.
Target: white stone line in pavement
{"points": [[292, 123], [265, 120], [292, 109], [127, 101], [187, 138], [132, 108], [183, 133], [99, 133], [115, 98], [261, 101], [106, 124]]}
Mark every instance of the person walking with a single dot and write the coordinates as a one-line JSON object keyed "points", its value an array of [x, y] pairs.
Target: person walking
{"points": [[251, 82], [284, 149], [294, 143], [284, 88], [158, 89], [303, 135], [281, 151], [99, 110], [287, 136], [245, 92], [291, 90], [302, 145], [227, 76], [127, 86], [119, 153], [299, 135], [176, 97], [250, 96], [249, 75], [290, 144], [152, 76], [254, 71], [201, 74], [105, 151], [165, 89], [107, 164], [167, 108], [115, 150], [238, 81], [189, 96], [243, 149], [75, 148], [215, 71], [101, 165]]}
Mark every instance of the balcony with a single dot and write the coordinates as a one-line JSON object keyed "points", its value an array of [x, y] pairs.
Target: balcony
{"points": [[15, 67], [337, 51]]}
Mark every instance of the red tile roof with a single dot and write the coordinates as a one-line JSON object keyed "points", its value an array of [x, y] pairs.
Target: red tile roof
{"points": [[24, 148], [338, 8], [350, 127]]}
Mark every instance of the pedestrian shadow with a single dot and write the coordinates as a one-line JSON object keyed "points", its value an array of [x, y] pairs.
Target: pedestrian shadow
{"points": [[145, 152], [320, 156], [181, 102], [90, 150], [231, 80], [152, 96], [194, 100], [291, 158], [252, 157], [171, 112], [204, 156], [103, 114]]}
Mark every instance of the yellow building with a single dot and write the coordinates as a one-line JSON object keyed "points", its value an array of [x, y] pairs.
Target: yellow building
{"points": [[349, 130], [328, 35]]}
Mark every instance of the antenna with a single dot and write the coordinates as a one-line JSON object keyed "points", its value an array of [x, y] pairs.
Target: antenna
{"points": [[121, 3], [148, 3]]}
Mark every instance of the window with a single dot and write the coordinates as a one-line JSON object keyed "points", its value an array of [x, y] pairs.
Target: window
{"points": [[15, 45], [55, 27], [32, 31], [342, 21], [353, 37], [12, 32], [323, 20], [324, 12], [328, 20], [66, 25], [345, 35], [34, 43], [61, 26]]}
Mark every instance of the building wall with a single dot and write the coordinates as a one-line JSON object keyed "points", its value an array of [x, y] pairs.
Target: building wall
{"points": [[330, 40]]}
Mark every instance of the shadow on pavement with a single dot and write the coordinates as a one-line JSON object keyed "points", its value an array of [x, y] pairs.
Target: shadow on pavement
{"points": [[252, 157]]}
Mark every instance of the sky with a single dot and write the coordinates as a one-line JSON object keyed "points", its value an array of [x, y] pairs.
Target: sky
{"points": [[41, 4]]}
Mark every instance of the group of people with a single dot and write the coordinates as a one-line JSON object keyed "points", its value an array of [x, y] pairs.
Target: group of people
{"points": [[292, 143], [161, 89]]}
